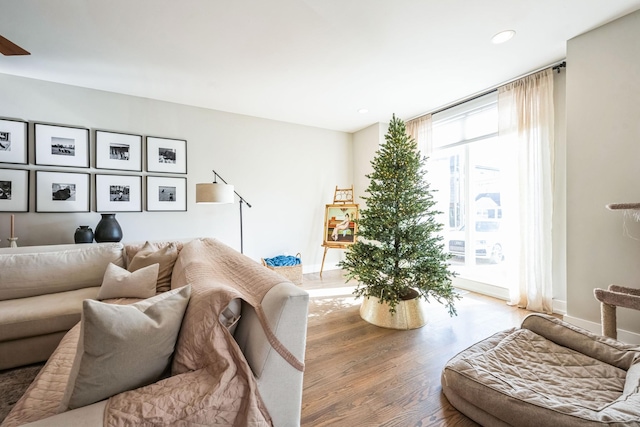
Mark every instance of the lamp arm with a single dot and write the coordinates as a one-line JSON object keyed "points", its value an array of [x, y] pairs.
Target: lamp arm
{"points": [[242, 199]]}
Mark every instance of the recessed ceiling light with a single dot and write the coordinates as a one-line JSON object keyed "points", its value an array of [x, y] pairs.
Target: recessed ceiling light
{"points": [[503, 36], [363, 111]]}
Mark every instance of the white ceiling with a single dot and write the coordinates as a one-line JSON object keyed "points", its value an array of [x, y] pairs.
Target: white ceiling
{"points": [[311, 62]]}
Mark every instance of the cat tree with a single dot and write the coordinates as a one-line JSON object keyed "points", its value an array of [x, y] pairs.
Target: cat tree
{"points": [[615, 295]]}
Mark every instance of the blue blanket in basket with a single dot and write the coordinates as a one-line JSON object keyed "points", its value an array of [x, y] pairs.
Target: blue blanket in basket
{"points": [[282, 261]]}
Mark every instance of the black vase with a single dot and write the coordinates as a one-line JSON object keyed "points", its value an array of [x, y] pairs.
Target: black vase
{"points": [[83, 234], [108, 229]]}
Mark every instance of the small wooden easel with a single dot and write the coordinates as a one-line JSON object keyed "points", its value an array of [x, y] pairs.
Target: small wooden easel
{"points": [[343, 195], [340, 196]]}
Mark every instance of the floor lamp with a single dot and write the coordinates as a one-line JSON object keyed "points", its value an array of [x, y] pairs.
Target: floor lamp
{"points": [[213, 192]]}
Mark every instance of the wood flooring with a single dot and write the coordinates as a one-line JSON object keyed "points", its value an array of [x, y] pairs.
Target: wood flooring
{"points": [[360, 375]]}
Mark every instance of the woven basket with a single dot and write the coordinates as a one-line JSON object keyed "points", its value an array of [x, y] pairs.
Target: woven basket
{"points": [[290, 272]]}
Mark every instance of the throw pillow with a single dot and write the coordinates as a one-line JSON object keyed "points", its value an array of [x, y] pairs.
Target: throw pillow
{"points": [[150, 254], [123, 347], [121, 283]]}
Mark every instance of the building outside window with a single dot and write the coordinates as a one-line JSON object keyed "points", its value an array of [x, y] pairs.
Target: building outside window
{"points": [[474, 173]]}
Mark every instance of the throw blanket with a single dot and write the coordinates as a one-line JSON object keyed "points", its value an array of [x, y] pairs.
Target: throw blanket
{"points": [[282, 261], [211, 382], [210, 372]]}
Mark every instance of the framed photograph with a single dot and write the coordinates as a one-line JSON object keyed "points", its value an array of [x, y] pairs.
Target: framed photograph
{"points": [[118, 151], [62, 192], [61, 146], [166, 155], [340, 227], [166, 194], [118, 193], [13, 142], [14, 190]]}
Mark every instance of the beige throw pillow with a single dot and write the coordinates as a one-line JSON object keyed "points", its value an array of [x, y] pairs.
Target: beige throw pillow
{"points": [[123, 347], [150, 254], [120, 283]]}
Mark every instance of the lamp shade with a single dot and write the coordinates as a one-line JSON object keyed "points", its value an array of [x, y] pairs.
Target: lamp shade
{"points": [[212, 192]]}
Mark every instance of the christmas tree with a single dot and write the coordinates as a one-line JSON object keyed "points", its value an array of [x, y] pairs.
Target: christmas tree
{"points": [[398, 247]]}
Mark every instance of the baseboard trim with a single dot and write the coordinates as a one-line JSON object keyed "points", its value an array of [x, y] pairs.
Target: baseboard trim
{"points": [[481, 288], [624, 336], [559, 307], [315, 268]]}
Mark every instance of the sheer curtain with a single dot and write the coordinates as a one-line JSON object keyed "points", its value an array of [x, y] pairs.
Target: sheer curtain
{"points": [[526, 116], [420, 130]]}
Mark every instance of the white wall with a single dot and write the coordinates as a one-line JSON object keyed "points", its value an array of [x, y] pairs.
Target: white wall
{"points": [[365, 144], [559, 225], [287, 172], [603, 161]]}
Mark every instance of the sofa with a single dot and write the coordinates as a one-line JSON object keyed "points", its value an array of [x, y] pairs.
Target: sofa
{"points": [[238, 355], [41, 294], [546, 373]]}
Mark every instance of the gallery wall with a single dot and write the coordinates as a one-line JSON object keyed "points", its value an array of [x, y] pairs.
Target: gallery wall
{"points": [[603, 158], [287, 172]]}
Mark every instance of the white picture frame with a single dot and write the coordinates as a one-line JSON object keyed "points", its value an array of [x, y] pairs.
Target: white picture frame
{"points": [[166, 155], [118, 151], [62, 191], [14, 141], [58, 145], [166, 194], [118, 193], [14, 190]]}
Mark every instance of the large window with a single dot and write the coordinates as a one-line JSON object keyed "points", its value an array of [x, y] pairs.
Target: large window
{"points": [[473, 171]]}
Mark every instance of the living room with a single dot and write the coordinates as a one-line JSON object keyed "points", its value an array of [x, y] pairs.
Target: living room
{"points": [[288, 171]]}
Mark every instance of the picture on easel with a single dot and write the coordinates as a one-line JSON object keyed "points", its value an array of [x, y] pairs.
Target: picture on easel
{"points": [[340, 226]]}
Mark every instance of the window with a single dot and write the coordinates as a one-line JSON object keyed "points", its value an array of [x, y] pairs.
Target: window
{"points": [[473, 171]]}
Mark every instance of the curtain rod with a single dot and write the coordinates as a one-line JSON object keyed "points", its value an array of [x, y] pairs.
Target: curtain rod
{"points": [[555, 66]]}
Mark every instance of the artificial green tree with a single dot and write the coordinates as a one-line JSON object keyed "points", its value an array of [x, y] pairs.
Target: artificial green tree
{"points": [[398, 247]]}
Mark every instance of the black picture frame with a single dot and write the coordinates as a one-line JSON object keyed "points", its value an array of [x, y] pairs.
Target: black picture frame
{"points": [[166, 194], [14, 190], [118, 193], [166, 155], [59, 145], [63, 192], [118, 151], [14, 141]]}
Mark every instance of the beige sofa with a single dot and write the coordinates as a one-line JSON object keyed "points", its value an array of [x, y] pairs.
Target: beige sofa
{"points": [[41, 294], [270, 332]]}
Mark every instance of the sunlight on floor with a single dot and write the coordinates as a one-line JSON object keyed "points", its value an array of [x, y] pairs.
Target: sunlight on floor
{"points": [[331, 292], [329, 300]]}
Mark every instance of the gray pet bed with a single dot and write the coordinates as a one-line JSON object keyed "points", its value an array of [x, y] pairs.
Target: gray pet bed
{"points": [[546, 373]]}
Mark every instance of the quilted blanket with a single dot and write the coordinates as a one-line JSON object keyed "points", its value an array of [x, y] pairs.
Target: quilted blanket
{"points": [[211, 382]]}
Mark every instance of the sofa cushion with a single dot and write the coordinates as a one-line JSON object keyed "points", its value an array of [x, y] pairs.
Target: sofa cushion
{"points": [[44, 270], [165, 256], [121, 283], [123, 347], [42, 314]]}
